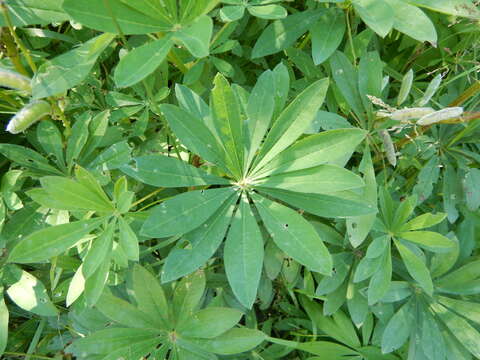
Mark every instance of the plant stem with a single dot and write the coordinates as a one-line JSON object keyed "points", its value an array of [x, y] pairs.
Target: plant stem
{"points": [[153, 193], [12, 53], [19, 42], [350, 38]]}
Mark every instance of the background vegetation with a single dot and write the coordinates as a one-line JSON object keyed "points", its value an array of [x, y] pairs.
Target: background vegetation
{"points": [[240, 179]]}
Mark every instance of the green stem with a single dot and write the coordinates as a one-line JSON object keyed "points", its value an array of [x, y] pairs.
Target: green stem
{"points": [[36, 339], [350, 38], [161, 245], [19, 42], [12, 53], [153, 193], [24, 355]]}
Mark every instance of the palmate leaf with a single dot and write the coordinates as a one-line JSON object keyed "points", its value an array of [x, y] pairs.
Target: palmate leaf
{"points": [[165, 322]]}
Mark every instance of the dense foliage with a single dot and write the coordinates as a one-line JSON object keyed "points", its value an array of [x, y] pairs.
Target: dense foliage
{"points": [[240, 179]]}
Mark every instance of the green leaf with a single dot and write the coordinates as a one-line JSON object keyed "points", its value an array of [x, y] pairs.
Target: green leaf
{"points": [[194, 104], [74, 195], [141, 62], [98, 15], [76, 287], [359, 227], [281, 78], [231, 13], [156, 10], [424, 221], [324, 148], [398, 328], [472, 191], [105, 341], [194, 134], [31, 12], [78, 139], [283, 33], [292, 122], [412, 21], [51, 141], [322, 179], [102, 246], [227, 119], [28, 158], [89, 181], [95, 284], [243, 254], [322, 205], [450, 188], [204, 241], [209, 323], [234, 341], [405, 87], [427, 177], [30, 294], [460, 328], [123, 313], [4, 315], [150, 296], [196, 37], [381, 279], [294, 235], [403, 212], [370, 77], [416, 267], [346, 78], [326, 349], [260, 107], [69, 69], [467, 309], [432, 341], [187, 296], [269, 12], [184, 212], [429, 240], [463, 8], [128, 240], [52, 241], [327, 34], [377, 14], [113, 157]]}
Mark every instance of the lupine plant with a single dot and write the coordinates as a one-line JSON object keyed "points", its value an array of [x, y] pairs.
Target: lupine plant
{"points": [[239, 179]]}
